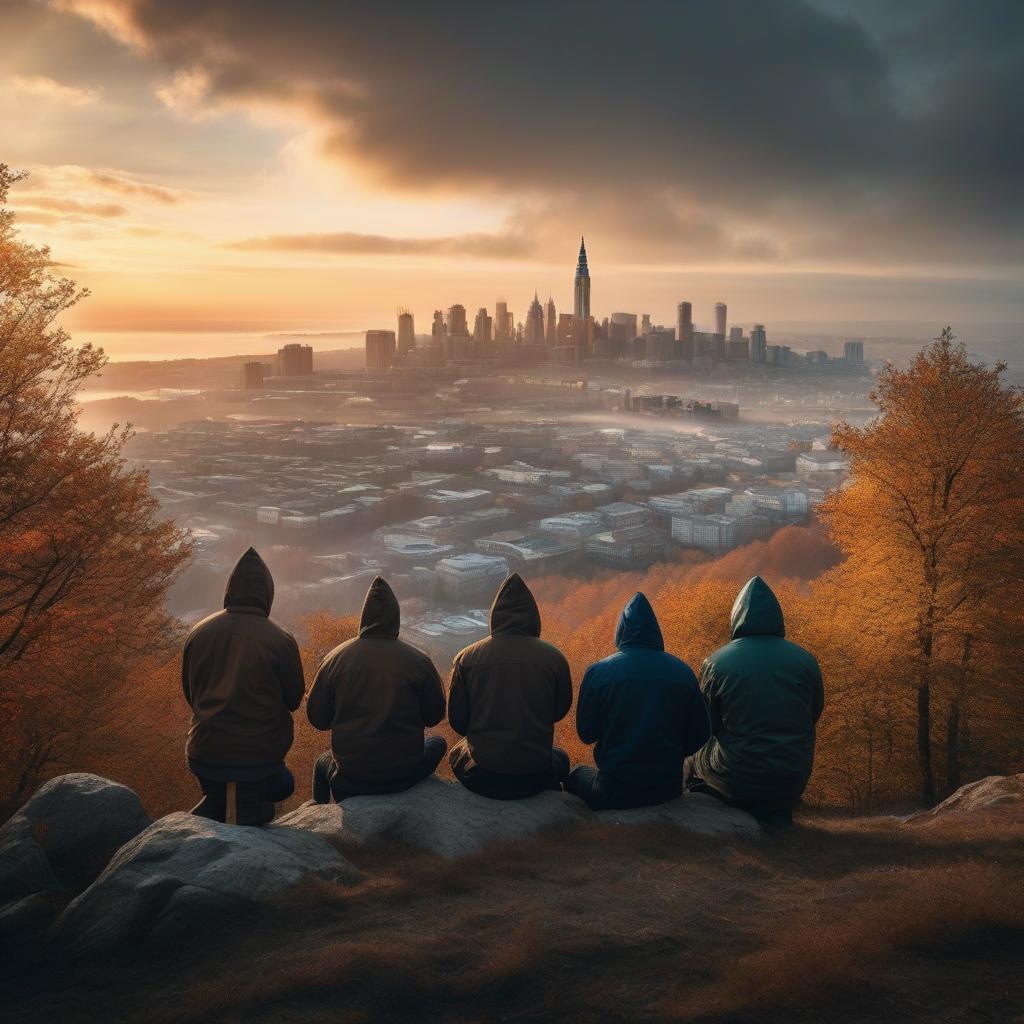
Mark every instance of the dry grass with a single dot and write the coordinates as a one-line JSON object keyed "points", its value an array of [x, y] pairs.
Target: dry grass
{"points": [[838, 920]]}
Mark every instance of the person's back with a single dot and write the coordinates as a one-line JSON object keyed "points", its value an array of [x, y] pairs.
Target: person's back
{"points": [[643, 710], [376, 693], [765, 696], [507, 692], [242, 676]]}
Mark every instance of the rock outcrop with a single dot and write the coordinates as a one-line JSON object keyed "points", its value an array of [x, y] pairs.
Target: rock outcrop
{"points": [[437, 817], [184, 872], [60, 841], [986, 798], [695, 812]]}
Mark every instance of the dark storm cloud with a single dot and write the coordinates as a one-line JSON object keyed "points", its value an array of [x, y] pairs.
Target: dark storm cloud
{"points": [[762, 117]]}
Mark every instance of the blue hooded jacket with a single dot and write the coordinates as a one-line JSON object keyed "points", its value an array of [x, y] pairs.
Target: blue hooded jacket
{"points": [[642, 706]]}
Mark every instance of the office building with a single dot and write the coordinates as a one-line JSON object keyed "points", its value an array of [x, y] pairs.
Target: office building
{"points": [[550, 324], [457, 320], [295, 361], [380, 350], [438, 331], [482, 331], [758, 344], [534, 334], [581, 286], [853, 351], [720, 318], [406, 335], [252, 376], [684, 322], [502, 323]]}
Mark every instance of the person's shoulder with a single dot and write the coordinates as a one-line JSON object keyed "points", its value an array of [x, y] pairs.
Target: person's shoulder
{"points": [[802, 655], [211, 622], [413, 652], [681, 671], [338, 653], [469, 654], [277, 630], [603, 672]]}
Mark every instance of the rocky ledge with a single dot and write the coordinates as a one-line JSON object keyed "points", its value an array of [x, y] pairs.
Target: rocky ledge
{"points": [[82, 863]]}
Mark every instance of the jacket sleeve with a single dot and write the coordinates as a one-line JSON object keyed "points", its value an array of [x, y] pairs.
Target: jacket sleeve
{"points": [[818, 694], [320, 702], [432, 700], [697, 726], [458, 700], [712, 698], [293, 682], [588, 716], [563, 691], [186, 687]]}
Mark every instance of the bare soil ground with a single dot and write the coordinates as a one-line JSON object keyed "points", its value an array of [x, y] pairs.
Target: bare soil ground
{"points": [[837, 920]]}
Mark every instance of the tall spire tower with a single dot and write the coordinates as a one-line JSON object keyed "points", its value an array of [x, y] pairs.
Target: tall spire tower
{"points": [[581, 286]]}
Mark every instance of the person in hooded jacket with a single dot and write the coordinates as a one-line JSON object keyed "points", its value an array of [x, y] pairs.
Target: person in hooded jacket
{"points": [[242, 676], [376, 694], [765, 696], [507, 692], [643, 709]]}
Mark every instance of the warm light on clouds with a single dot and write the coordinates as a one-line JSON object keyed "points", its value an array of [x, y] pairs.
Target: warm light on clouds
{"points": [[184, 157], [48, 89]]}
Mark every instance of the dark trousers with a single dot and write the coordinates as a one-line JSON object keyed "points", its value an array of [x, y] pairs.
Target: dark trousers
{"points": [[258, 788], [328, 782], [602, 793], [777, 814], [499, 786]]}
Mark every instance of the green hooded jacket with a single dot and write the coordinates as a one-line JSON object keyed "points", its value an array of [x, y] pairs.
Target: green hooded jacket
{"points": [[764, 695]]}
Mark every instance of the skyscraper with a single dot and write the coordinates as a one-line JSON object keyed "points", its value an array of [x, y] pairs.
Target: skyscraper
{"points": [[295, 360], [501, 323], [482, 331], [581, 286], [684, 330], [406, 335], [550, 324], [380, 350], [535, 323], [457, 319], [853, 351], [758, 344], [720, 312]]}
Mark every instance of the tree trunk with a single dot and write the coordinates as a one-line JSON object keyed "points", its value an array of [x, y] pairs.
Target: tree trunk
{"points": [[953, 746], [924, 744]]}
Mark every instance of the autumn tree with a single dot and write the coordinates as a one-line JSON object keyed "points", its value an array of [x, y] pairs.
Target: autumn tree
{"points": [[931, 528], [85, 559]]}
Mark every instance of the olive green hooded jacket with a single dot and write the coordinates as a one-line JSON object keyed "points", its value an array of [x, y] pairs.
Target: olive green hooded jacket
{"points": [[765, 696]]}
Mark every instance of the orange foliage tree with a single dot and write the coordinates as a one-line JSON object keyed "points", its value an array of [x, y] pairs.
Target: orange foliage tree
{"points": [[84, 558], [931, 527]]}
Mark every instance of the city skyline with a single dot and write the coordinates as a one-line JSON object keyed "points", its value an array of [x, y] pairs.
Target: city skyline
{"points": [[262, 167]]}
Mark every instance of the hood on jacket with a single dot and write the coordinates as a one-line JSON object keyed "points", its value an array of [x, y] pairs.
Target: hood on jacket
{"points": [[250, 585], [514, 611], [381, 616], [638, 625], [757, 611]]}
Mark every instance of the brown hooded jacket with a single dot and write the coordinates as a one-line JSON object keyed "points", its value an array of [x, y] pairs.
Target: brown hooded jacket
{"points": [[242, 675], [509, 689], [376, 694]]}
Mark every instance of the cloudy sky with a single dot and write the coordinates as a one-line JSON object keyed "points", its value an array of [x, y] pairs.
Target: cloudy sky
{"points": [[309, 165]]}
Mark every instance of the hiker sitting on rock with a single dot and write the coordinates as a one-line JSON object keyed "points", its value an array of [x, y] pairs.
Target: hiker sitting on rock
{"points": [[376, 694], [507, 691], [765, 696], [644, 710], [242, 676]]}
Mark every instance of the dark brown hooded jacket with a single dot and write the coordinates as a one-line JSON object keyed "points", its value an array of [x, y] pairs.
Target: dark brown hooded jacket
{"points": [[242, 675], [376, 694], [509, 689]]}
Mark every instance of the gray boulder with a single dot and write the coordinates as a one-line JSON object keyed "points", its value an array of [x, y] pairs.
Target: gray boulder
{"points": [[61, 840], [78, 822], [695, 812], [438, 817], [997, 795], [186, 872]]}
